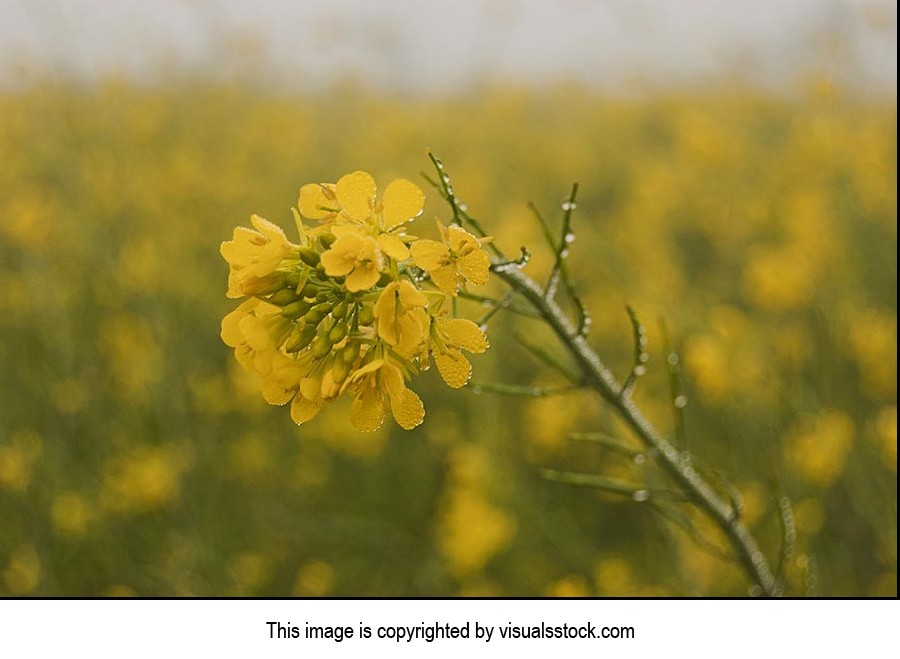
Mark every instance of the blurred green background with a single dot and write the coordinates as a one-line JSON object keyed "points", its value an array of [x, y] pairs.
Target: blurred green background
{"points": [[137, 458]]}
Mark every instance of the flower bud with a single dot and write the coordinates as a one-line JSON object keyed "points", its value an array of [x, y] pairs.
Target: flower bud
{"points": [[309, 290], [296, 309], [309, 256], [349, 353], [340, 310], [283, 297], [366, 316], [320, 347], [301, 336], [338, 332]]}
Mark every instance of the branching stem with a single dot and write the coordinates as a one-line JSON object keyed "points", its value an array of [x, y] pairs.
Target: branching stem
{"points": [[689, 481]]}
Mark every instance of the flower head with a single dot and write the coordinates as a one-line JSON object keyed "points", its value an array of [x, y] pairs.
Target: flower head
{"points": [[458, 259], [356, 257], [401, 318], [380, 386], [344, 310], [448, 338]]}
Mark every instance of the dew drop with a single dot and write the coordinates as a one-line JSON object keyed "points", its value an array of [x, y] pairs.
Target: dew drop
{"points": [[640, 459], [563, 254], [680, 402], [672, 359], [570, 238], [463, 207], [569, 205], [640, 496], [483, 327], [639, 370]]}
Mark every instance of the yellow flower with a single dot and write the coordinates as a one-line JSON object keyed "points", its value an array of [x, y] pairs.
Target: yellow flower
{"points": [[379, 386], [448, 337], [254, 256], [455, 261], [255, 330], [356, 257], [401, 318], [352, 206]]}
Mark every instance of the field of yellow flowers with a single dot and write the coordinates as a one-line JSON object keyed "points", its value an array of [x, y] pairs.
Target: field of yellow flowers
{"points": [[137, 458]]}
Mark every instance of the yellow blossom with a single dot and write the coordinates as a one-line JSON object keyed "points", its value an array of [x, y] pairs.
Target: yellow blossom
{"points": [[455, 261], [356, 257], [401, 318], [253, 257], [380, 386], [449, 336], [352, 206]]}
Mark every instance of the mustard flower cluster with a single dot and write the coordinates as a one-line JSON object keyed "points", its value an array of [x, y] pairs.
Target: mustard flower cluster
{"points": [[357, 306]]}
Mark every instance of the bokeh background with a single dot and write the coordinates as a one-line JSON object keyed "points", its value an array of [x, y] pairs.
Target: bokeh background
{"points": [[737, 163]]}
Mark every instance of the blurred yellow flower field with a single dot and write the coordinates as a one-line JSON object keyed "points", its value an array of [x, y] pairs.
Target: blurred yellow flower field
{"points": [[138, 457]]}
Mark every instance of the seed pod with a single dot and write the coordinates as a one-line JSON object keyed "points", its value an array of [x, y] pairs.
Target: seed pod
{"points": [[309, 289], [323, 296], [309, 256], [296, 309]]}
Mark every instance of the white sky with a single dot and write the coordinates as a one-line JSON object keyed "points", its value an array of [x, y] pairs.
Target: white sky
{"points": [[438, 44]]}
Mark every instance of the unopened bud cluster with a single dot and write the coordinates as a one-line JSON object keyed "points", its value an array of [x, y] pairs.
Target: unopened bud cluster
{"points": [[357, 306]]}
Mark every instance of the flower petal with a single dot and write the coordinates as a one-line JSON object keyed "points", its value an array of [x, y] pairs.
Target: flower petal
{"points": [[393, 247], [402, 201], [273, 393], [453, 367], [446, 279], [312, 200], [410, 296], [475, 267], [429, 254], [303, 409], [407, 409], [363, 277], [271, 231], [464, 334], [460, 240], [356, 194], [367, 410], [231, 333], [337, 263]]}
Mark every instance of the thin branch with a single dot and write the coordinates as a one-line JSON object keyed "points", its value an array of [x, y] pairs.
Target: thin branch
{"points": [[788, 539], [562, 249], [519, 390], [610, 443], [639, 365], [635, 492], [679, 400], [494, 303], [679, 518], [545, 357]]}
